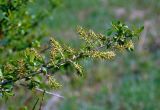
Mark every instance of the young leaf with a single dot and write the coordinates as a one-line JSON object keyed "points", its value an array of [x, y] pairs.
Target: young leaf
{"points": [[109, 32], [141, 29]]}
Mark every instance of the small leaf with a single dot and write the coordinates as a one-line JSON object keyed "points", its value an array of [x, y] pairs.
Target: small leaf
{"points": [[37, 79], [32, 57], [109, 32], [141, 29], [8, 86], [36, 44]]}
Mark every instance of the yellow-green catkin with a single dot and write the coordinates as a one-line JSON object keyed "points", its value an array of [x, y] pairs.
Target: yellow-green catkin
{"points": [[32, 53], [70, 50], [119, 48], [9, 68], [101, 55], [87, 35], [21, 69], [129, 45], [91, 38], [56, 48], [53, 83], [79, 68]]}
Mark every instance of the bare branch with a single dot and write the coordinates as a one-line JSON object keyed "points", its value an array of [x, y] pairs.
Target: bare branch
{"points": [[50, 93]]}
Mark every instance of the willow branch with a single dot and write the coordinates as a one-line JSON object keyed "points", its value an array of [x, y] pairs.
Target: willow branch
{"points": [[41, 70], [73, 58]]}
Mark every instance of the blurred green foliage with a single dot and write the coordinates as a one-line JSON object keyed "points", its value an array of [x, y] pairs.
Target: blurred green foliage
{"points": [[131, 81], [21, 21]]}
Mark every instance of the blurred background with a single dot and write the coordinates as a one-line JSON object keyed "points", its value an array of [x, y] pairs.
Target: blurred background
{"points": [[129, 82]]}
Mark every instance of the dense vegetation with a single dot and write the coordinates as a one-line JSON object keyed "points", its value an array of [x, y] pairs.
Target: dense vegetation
{"points": [[12, 50], [32, 62]]}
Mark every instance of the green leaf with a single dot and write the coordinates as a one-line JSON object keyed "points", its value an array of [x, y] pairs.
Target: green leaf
{"points": [[141, 29], [37, 79], [32, 56], [8, 86], [1, 15], [109, 32], [9, 93], [36, 44]]}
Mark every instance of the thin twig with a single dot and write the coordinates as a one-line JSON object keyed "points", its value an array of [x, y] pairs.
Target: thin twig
{"points": [[35, 104], [44, 91], [42, 99], [45, 49], [50, 93]]}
